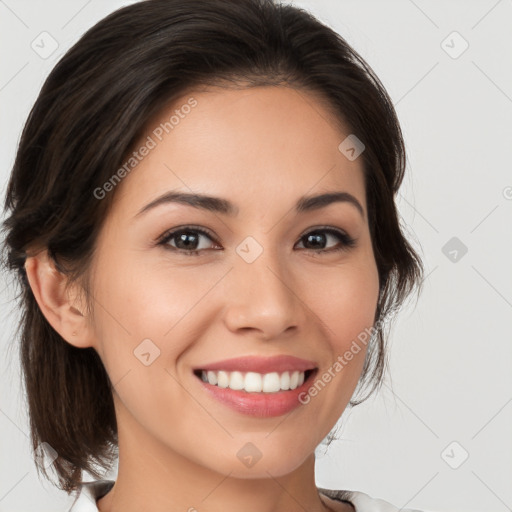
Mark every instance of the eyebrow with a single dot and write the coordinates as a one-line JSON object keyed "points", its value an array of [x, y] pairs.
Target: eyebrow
{"points": [[219, 205]]}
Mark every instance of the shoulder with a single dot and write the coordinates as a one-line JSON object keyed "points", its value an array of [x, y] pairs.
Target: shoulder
{"points": [[362, 502], [89, 493]]}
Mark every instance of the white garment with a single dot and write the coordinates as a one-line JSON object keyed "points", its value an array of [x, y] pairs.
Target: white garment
{"points": [[93, 491]]}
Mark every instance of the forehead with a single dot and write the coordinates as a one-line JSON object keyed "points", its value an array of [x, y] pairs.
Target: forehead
{"points": [[252, 144]]}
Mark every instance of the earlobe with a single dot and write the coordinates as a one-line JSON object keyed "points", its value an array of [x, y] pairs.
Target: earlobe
{"points": [[49, 288]]}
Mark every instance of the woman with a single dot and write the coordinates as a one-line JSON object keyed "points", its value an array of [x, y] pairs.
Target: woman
{"points": [[202, 220]]}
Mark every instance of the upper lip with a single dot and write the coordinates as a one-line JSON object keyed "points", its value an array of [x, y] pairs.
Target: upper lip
{"points": [[260, 364]]}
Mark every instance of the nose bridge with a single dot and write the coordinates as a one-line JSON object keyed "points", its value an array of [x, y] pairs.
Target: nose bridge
{"points": [[261, 295]]}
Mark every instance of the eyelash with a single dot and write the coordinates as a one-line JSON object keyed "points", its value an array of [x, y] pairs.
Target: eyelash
{"points": [[347, 242]]}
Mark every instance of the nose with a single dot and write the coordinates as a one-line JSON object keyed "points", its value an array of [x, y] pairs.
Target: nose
{"points": [[261, 297]]}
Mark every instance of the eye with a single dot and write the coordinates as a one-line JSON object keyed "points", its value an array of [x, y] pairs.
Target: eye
{"points": [[320, 237], [187, 240]]}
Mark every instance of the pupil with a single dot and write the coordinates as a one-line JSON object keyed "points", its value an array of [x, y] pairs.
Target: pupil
{"points": [[319, 238], [183, 238]]}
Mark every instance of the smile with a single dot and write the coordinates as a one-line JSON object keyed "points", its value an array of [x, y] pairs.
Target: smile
{"points": [[262, 395], [252, 382]]}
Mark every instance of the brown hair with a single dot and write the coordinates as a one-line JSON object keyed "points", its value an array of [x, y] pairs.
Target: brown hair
{"points": [[92, 109]]}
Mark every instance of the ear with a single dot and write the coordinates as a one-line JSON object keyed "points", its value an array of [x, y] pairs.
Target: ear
{"points": [[59, 306]]}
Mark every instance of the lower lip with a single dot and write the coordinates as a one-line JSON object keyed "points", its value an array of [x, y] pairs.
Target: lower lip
{"points": [[261, 405]]}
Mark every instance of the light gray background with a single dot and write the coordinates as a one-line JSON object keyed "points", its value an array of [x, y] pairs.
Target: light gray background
{"points": [[451, 356]]}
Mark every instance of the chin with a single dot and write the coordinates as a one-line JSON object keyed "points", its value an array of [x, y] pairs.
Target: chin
{"points": [[279, 463]]}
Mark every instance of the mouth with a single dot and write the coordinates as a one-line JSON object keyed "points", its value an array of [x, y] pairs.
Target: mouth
{"points": [[253, 382], [258, 386]]}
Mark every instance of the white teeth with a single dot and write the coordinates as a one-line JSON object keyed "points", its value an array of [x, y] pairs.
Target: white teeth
{"points": [[253, 382], [222, 379], [285, 380], [294, 380], [271, 383], [236, 381]]}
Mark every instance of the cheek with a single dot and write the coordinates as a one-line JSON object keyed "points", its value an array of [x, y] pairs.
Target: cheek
{"points": [[346, 301], [137, 301], [148, 319], [143, 324], [346, 305]]}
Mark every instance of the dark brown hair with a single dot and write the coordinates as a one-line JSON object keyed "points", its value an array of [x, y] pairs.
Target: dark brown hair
{"points": [[90, 112]]}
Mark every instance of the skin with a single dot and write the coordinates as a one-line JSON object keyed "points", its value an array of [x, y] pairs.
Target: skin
{"points": [[261, 148]]}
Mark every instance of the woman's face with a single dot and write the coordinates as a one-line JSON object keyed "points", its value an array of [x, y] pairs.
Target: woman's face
{"points": [[254, 284]]}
